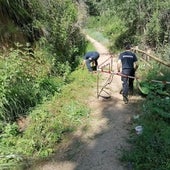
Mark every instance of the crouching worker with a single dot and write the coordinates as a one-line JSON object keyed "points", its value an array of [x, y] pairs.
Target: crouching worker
{"points": [[90, 59]]}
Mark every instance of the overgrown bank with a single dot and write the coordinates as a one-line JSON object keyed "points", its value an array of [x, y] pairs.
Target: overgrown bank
{"points": [[47, 124], [41, 45]]}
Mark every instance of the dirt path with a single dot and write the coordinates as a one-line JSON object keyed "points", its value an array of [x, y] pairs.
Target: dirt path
{"points": [[99, 146]]}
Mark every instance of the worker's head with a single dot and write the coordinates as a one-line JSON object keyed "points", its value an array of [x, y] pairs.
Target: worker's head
{"points": [[127, 46]]}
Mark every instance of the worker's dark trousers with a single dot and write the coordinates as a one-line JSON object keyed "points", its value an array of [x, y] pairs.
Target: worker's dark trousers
{"points": [[127, 82]]}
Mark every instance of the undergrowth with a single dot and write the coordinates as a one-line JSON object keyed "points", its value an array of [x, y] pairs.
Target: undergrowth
{"points": [[47, 124]]}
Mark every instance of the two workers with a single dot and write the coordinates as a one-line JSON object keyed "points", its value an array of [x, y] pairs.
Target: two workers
{"points": [[126, 67]]}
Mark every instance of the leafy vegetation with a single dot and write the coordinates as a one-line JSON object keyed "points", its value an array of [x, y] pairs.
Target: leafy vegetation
{"points": [[47, 123], [39, 51], [132, 21], [50, 23], [22, 84]]}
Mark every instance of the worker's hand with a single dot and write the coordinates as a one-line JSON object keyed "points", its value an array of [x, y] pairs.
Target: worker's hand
{"points": [[119, 73]]}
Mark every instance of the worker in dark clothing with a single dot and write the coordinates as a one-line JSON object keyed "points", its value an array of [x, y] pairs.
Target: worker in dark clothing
{"points": [[90, 58], [127, 63]]}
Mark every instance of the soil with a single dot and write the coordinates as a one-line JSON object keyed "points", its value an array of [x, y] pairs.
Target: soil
{"points": [[99, 145]]}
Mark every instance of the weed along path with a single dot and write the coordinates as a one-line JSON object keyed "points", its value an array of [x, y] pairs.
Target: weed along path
{"points": [[99, 146]]}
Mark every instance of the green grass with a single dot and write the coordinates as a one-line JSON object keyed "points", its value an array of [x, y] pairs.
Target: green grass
{"points": [[48, 123]]}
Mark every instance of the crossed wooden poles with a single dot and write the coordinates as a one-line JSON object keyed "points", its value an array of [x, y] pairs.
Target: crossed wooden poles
{"points": [[108, 82]]}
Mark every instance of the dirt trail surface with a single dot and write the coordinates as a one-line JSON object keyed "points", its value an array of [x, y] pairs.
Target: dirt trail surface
{"points": [[99, 146]]}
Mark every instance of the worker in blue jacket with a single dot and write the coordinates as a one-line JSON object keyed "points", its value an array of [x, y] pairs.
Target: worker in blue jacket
{"points": [[127, 62], [90, 59]]}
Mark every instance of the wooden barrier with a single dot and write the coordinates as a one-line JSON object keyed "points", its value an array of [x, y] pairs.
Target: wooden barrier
{"points": [[166, 63]]}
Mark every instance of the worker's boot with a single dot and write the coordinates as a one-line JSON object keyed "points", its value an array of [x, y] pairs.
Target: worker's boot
{"points": [[125, 99]]}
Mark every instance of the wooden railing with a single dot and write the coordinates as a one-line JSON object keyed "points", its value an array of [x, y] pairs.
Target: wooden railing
{"points": [[166, 63]]}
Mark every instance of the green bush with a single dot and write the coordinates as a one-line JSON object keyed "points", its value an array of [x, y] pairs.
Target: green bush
{"points": [[26, 81]]}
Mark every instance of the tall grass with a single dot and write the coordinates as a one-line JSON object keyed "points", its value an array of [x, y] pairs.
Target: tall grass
{"points": [[23, 77], [48, 122]]}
